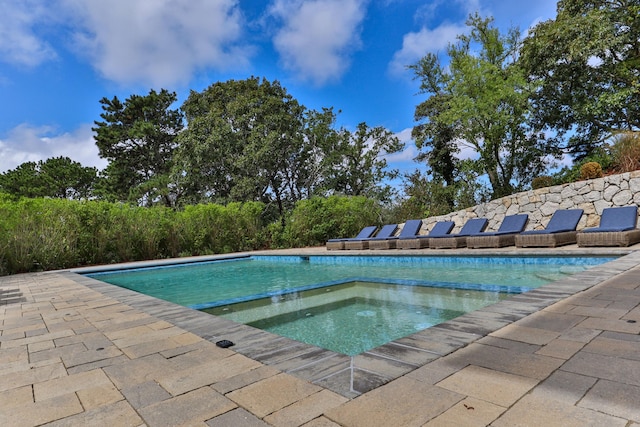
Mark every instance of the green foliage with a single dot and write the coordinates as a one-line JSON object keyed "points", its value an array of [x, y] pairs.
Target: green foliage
{"points": [[586, 64], [46, 234], [428, 197], [482, 100], [316, 220], [591, 170], [625, 152], [600, 155], [249, 140], [58, 177], [138, 139], [542, 182]]}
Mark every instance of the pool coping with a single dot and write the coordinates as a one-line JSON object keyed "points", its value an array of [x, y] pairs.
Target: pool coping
{"points": [[356, 375]]}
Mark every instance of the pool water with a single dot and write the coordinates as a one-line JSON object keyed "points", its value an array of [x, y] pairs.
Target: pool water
{"points": [[375, 313], [346, 303]]}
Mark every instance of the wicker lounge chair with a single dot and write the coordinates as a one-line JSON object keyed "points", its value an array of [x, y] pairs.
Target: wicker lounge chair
{"points": [[410, 229], [617, 228], [561, 230], [459, 240], [338, 244], [385, 232], [441, 228], [505, 236]]}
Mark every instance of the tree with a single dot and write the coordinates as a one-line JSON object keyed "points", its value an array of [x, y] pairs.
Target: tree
{"points": [[481, 101], [138, 138], [587, 62], [358, 163], [243, 142], [58, 177]]}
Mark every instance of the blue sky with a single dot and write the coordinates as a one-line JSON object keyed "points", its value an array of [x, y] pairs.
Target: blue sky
{"points": [[58, 58]]}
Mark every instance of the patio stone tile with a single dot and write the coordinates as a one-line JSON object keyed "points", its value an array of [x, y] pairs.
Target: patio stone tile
{"points": [[191, 408], [403, 402], [117, 414], [306, 409], [31, 376], [320, 422], [486, 384], [38, 413], [562, 349], [615, 347], [40, 346], [579, 334], [145, 394], [101, 363], [381, 365], [15, 398], [605, 367], [138, 371], [408, 355], [70, 384], [244, 379], [289, 350], [341, 383], [469, 412], [535, 411], [236, 417], [611, 325], [322, 367], [272, 394], [10, 342], [15, 354], [603, 312], [310, 355], [565, 387], [555, 322], [524, 334], [199, 375], [205, 352], [435, 371], [529, 365], [620, 400], [509, 344], [135, 351], [363, 381]]}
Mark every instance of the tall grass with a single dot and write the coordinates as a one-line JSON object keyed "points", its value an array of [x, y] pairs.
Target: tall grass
{"points": [[48, 234]]}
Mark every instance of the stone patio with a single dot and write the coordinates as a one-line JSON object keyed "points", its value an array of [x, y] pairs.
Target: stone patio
{"points": [[76, 351]]}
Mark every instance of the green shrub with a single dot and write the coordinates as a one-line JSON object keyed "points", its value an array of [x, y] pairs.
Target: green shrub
{"points": [[591, 170], [542, 182], [46, 234], [318, 219]]}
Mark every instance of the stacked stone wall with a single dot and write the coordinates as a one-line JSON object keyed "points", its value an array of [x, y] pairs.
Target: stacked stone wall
{"points": [[592, 196]]}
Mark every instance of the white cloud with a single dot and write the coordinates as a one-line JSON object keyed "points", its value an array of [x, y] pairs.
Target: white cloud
{"points": [[19, 43], [317, 37], [410, 151], [161, 42], [415, 45], [26, 143]]}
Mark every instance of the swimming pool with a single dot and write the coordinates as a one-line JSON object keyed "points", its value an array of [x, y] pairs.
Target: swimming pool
{"points": [[406, 287]]}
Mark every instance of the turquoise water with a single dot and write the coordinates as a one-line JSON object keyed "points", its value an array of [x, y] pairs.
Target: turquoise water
{"points": [[347, 304], [203, 285], [375, 313]]}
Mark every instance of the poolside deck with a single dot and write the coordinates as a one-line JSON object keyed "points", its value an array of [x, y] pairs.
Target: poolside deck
{"points": [[75, 351]]}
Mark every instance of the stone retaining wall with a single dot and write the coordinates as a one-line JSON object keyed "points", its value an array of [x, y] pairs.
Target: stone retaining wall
{"points": [[592, 196]]}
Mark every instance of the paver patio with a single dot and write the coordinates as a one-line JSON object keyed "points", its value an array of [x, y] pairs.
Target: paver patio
{"points": [[74, 351]]}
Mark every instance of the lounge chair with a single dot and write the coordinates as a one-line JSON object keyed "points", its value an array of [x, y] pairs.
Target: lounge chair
{"points": [[410, 229], [561, 230], [505, 236], [441, 228], [385, 232], [338, 244], [617, 228], [459, 240]]}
